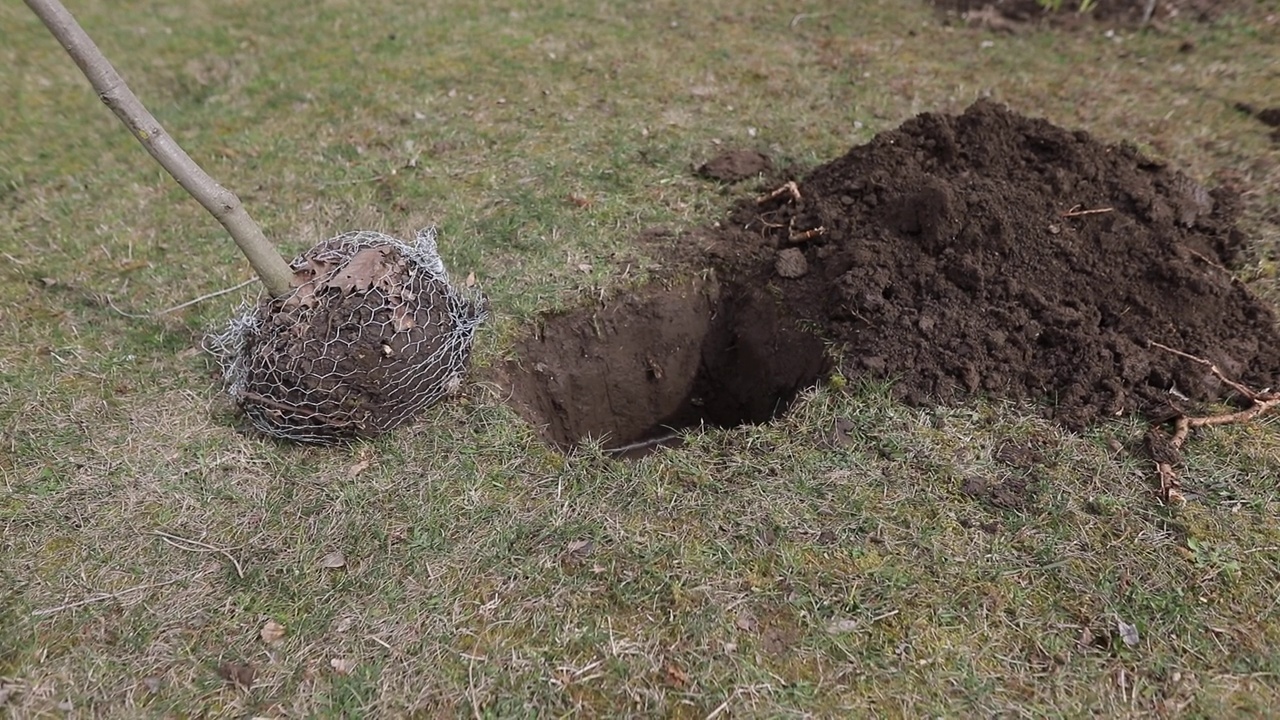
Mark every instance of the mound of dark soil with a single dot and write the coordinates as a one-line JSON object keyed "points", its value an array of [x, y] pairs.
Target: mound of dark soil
{"points": [[980, 254], [993, 253], [1127, 13]]}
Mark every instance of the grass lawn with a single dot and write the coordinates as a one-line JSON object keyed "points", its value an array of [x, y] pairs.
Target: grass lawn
{"points": [[960, 561]]}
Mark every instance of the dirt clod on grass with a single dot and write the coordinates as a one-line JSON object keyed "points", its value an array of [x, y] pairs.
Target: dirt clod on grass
{"points": [[985, 253], [735, 165]]}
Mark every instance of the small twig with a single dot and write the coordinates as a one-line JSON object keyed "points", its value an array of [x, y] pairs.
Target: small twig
{"points": [[210, 296], [104, 596], [1209, 262], [196, 546], [381, 642], [803, 16], [643, 444], [471, 690], [1147, 12], [1077, 212], [187, 304], [352, 181], [722, 706], [1181, 429]]}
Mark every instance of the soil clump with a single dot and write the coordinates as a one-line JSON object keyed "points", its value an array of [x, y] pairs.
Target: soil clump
{"points": [[735, 165]]}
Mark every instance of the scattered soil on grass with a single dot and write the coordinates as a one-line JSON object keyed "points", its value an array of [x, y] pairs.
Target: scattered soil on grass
{"points": [[1270, 116], [735, 165], [1267, 116], [985, 253], [1011, 494], [1012, 15]]}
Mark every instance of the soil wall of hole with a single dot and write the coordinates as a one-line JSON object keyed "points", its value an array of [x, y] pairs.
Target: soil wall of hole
{"points": [[664, 357]]}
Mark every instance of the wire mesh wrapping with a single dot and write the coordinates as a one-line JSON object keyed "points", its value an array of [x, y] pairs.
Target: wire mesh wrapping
{"points": [[372, 334]]}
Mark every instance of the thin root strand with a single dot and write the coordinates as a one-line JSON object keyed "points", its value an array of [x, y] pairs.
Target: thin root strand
{"points": [[1262, 402], [788, 188]]}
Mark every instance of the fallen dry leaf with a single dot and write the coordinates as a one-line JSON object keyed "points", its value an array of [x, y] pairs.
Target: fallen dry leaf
{"points": [[272, 632], [334, 560], [746, 621], [580, 548], [1086, 637], [361, 272], [1128, 633], [471, 279], [342, 666], [237, 673], [359, 467], [677, 676], [841, 626], [152, 684]]}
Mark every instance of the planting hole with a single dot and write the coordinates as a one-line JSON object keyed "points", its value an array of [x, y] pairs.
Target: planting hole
{"points": [[634, 373]]}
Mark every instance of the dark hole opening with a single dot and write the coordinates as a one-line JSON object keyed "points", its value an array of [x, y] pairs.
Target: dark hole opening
{"points": [[634, 373]]}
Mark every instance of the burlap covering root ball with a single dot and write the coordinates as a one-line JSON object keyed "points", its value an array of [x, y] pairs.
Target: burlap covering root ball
{"points": [[372, 334]]}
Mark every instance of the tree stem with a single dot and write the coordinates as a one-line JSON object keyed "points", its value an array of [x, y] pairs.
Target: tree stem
{"points": [[225, 207]]}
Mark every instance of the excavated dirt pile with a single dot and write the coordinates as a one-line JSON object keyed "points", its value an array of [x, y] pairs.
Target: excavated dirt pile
{"points": [[985, 253], [1009, 14]]}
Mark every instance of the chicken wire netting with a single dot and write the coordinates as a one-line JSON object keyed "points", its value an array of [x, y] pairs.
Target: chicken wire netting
{"points": [[371, 335]]}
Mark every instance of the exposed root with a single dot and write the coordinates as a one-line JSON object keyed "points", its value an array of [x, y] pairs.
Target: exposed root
{"points": [[791, 191], [1077, 211], [789, 188], [804, 235], [1166, 450]]}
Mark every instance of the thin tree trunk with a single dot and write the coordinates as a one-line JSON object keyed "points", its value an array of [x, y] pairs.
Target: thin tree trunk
{"points": [[220, 202]]}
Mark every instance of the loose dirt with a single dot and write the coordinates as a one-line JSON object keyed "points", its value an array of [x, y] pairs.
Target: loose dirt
{"points": [[735, 165], [980, 254], [1010, 15]]}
